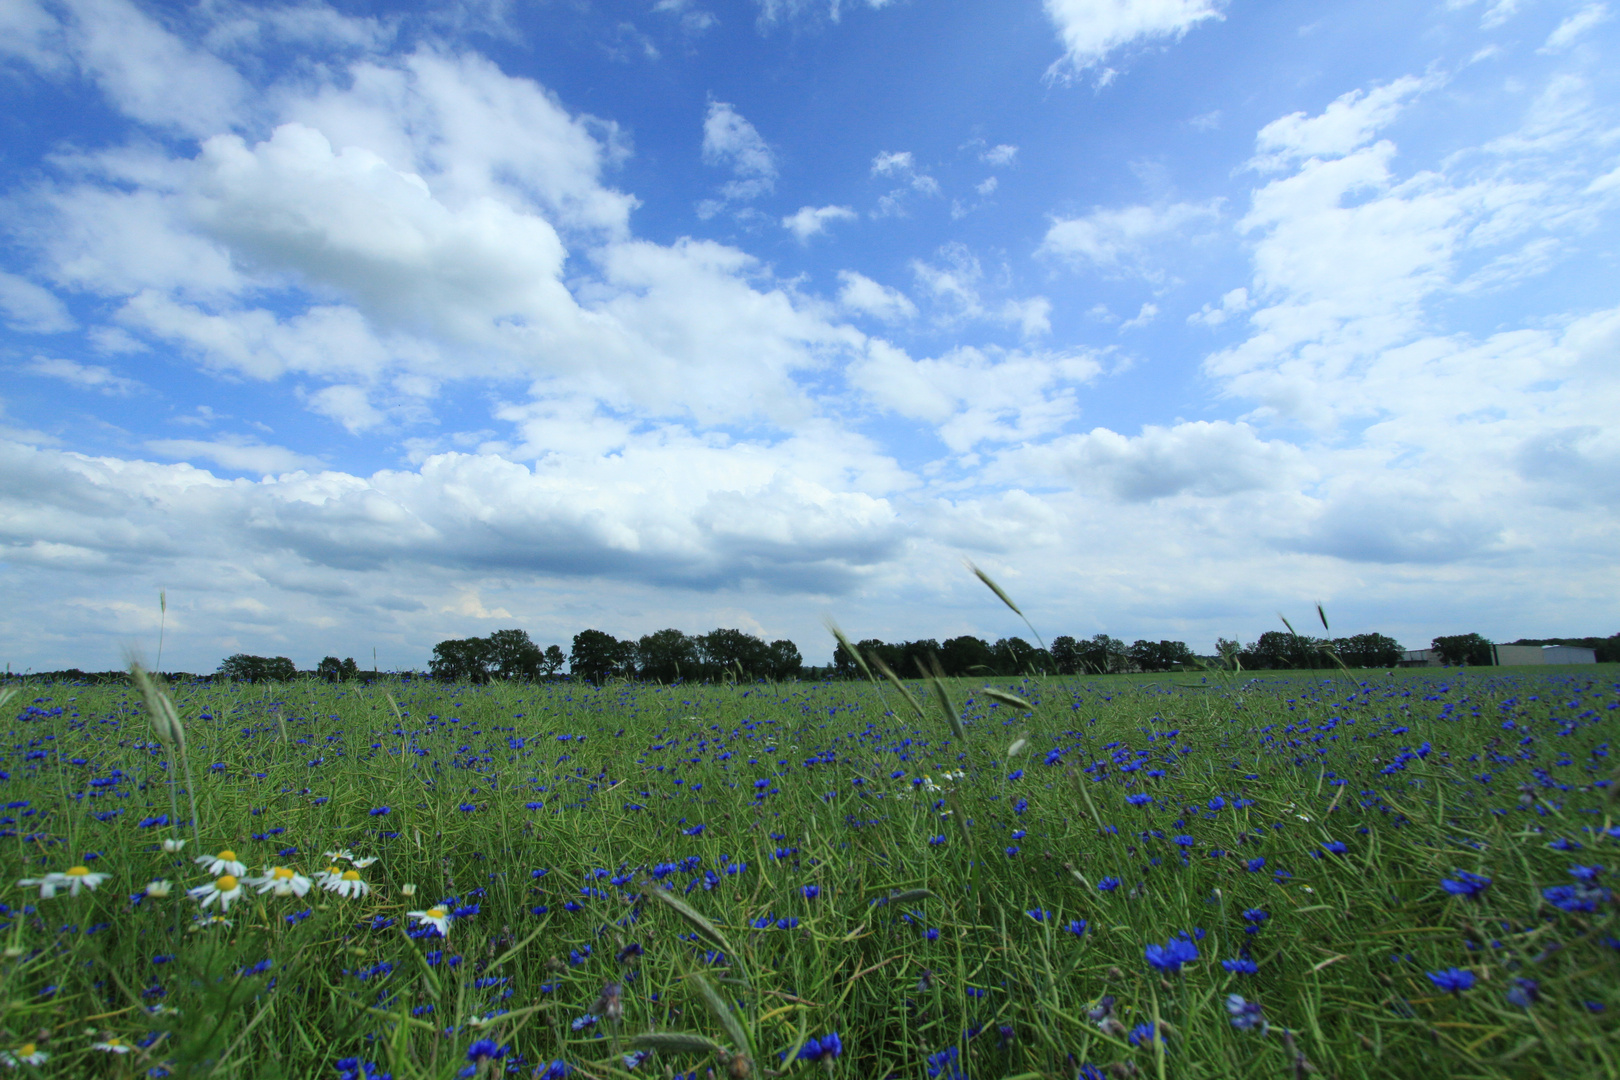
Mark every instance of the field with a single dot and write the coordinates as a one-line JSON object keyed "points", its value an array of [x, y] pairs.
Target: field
{"points": [[1341, 876]]}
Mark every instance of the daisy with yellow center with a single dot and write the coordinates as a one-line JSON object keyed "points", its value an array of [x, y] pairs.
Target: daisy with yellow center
{"points": [[223, 863], [347, 884], [26, 1054], [76, 878], [225, 888], [160, 888], [437, 917], [112, 1045], [283, 880], [348, 856]]}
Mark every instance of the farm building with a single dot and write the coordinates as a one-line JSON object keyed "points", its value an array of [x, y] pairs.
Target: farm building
{"points": [[1514, 655], [1543, 654]]}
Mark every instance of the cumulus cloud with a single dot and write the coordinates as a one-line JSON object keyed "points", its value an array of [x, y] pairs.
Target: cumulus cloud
{"points": [[974, 395], [859, 293], [89, 376], [1349, 122], [813, 220], [30, 309], [999, 156], [1092, 29], [731, 141], [235, 455], [1119, 240], [1209, 459]]}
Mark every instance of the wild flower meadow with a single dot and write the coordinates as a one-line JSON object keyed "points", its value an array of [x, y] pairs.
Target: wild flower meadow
{"points": [[1352, 876]]}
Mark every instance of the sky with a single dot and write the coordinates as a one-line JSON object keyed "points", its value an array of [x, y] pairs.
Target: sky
{"points": [[357, 327]]}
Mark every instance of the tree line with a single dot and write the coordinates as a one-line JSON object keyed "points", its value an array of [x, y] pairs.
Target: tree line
{"points": [[1279, 650], [662, 656]]}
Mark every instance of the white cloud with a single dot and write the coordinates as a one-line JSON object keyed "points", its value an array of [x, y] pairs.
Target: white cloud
{"points": [[236, 455], [987, 187], [1119, 240], [1232, 303], [1349, 122], [1091, 29], [999, 156], [30, 309], [859, 293], [89, 376], [813, 220], [1147, 314], [731, 141], [974, 395], [348, 405], [1572, 28], [1208, 459], [901, 165]]}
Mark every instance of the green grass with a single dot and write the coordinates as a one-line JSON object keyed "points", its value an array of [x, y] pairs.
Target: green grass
{"points": [[1342, 957]]}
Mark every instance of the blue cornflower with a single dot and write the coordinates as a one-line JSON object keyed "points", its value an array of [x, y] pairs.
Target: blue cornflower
{"points": [[1144, 1034], [1587, 874], [1452, 980], [1246, 1015], [935, 841], [1240, 966], [1335, 847], [379, 811], [1016, 774], [1139, 799], [1038, 914], [1524, 993], [1185, 841], [485, 1050], [1077, 927], [580, 1023], [1108, 884], [1172, 954], [1012, 850], [810, 892], [1465, 884], [1254, 866]]}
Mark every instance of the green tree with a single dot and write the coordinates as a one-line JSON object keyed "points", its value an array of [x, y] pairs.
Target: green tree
{"points": [[552, 661], [1102, 654], [597, 656], [1368, 651], [334, 670], [785, 661], [1014, 656], [666, 655], [966, 655], [1066, 655], [461, 660], [1459, 649], [243, 667], [733, 650], [513, 655]]}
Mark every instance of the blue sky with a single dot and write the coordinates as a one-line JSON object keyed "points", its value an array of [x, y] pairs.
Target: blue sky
{"points": [[361, 327]]}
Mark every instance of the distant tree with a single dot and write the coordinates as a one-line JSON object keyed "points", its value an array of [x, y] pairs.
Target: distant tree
{"points": [[1014, 656], [917, 657], [1160, 655], [666, 655], [513, 655], [843, 664], [242, 667], [1102, 654], [785, 661], [597, 656], [1368, 651], [1461, 649], [733, 651], [1280, 650], [966, 655], [552, 661], [334, 670], [1066, 655], [461, 660]]}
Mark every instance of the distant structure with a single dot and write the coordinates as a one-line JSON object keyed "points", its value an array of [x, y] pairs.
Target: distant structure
{"points": [[1543, 654], [1510, 655]]}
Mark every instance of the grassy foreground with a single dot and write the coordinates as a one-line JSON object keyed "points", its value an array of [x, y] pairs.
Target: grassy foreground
{"points": [[1404, 876]]}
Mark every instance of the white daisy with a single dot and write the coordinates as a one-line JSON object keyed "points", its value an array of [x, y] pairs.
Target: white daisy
{"points": [[223, 863], [173, 844], [26, 1054], [437, 917], [283, 879], [345, 855], [326, 878], [407, 889], [347, 884], [159, 889], [47, 884], [224, 888], [80, 877], [112, 1045]]}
